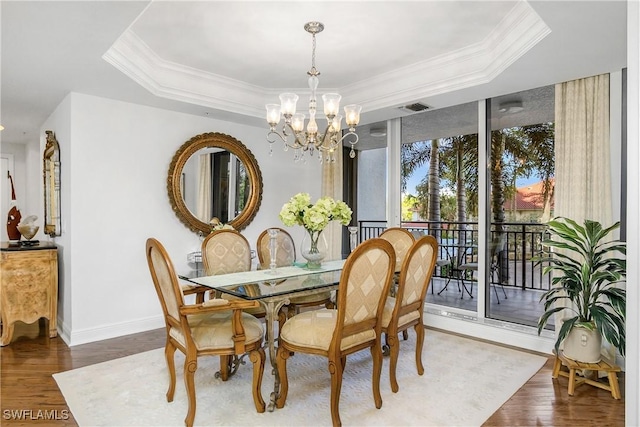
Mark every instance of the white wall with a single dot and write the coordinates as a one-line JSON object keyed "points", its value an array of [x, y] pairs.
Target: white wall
{"points": [[60, 123], [115, 160], [632, 379]]}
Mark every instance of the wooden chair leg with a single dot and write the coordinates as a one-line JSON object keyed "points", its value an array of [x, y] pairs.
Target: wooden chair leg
{"points": [[419, 344], [281, 364], [258, 358], [224, 367], [394, 351], [190, 366], [336, 368], [376, 354], [169, 352]]}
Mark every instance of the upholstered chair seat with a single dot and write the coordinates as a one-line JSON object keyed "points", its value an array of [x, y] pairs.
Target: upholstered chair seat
{"points": [[314, 329], [213, 331]]}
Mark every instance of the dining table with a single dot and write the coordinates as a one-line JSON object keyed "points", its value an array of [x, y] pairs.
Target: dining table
{"points": [[273, 288]]}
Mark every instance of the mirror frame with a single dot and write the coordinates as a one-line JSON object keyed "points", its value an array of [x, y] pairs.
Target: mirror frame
{"points": [[234, 146], [51, 177]]}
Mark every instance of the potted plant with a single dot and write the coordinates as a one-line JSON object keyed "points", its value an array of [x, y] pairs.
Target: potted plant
{"points": [[586, 268]]}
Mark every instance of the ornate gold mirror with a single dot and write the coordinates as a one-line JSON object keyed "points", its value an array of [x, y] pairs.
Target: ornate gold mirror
{"points": [[51, 173], [214, 175]]}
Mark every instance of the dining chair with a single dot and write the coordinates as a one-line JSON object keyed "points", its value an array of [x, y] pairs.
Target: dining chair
{"points": [[227, 251], [286, 256], [406, 309], [401, 239], [354, 326], [216, 327]]}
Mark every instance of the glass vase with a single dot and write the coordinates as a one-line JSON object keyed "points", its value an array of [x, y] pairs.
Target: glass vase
{"points": [[314, 248], [273, 249]]}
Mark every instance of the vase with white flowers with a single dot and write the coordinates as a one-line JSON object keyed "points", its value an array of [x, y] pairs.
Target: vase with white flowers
{"points": [[314, 218]]}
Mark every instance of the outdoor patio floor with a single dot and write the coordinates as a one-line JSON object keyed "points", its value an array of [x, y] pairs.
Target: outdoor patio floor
{"points": [[521, 306]]}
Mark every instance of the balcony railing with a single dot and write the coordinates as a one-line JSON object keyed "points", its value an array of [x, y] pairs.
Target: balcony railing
{"points": [[515, 268]]}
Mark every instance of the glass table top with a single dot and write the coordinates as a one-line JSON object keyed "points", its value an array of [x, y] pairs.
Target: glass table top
{"points": [[260, 284]]}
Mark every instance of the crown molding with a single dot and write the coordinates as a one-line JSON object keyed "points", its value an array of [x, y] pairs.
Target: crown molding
{"points": [[133, 57], [519, 31]]}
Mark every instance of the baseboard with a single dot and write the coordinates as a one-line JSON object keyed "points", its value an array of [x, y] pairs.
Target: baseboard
{"points": [[63, 331], [491, 330], [84, 336]]}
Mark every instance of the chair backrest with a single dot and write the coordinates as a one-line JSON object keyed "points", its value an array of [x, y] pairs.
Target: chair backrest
{"points": [[401, 240], [364, 286], [286, 249], [415, 275], [165, 281], [225, 251]]}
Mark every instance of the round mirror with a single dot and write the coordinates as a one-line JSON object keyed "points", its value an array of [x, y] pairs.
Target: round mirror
{"points": [[214, 175]]}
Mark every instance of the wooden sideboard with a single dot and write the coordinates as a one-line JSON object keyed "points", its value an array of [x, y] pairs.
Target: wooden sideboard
{"points": [[28, 286]]}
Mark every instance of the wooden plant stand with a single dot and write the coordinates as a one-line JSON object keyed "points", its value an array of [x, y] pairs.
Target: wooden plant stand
{"points": [[604, 365]]}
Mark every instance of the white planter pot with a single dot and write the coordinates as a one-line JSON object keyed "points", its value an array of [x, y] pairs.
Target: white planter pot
{"points": [[583, 345]]}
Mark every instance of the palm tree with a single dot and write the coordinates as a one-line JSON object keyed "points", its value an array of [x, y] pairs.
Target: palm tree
{"points": [[454, 160]]}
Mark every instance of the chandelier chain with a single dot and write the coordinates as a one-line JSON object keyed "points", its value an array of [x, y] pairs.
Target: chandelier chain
{"points": [[313, 71]]}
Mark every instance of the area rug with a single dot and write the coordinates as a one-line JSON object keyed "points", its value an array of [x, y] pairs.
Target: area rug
{"points": [[464, 383]]}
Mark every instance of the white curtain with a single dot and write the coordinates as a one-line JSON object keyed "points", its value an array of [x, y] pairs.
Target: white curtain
{"points": [[582, 159], [332, 187], [583, 169], [204, 188]]}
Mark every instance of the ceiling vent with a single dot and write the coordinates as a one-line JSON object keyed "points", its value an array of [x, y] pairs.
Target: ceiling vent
{"points": [[415, 107]]}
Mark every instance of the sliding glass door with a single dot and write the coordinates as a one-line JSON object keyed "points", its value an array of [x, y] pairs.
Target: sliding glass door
{"points": [[521, 170], [439, 180]]}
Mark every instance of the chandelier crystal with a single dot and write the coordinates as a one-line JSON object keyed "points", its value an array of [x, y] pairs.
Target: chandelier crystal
{"points": [[293, 133]]}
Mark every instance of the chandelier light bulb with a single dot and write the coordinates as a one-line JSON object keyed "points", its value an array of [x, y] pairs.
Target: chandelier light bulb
{"points": [[331, 104], [297, 122], [273, 114], [335, 123], [288, 104], [352, 115]]}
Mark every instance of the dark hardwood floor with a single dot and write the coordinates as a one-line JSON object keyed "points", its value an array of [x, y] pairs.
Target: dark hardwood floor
{"points": [[28, 389]]}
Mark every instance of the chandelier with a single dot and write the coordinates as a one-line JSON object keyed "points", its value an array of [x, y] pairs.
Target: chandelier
{"points": [[293, 133]]}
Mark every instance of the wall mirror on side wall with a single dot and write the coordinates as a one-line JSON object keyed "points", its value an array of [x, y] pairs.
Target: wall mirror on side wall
{"points": [[214, 175], [51, 173]]}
